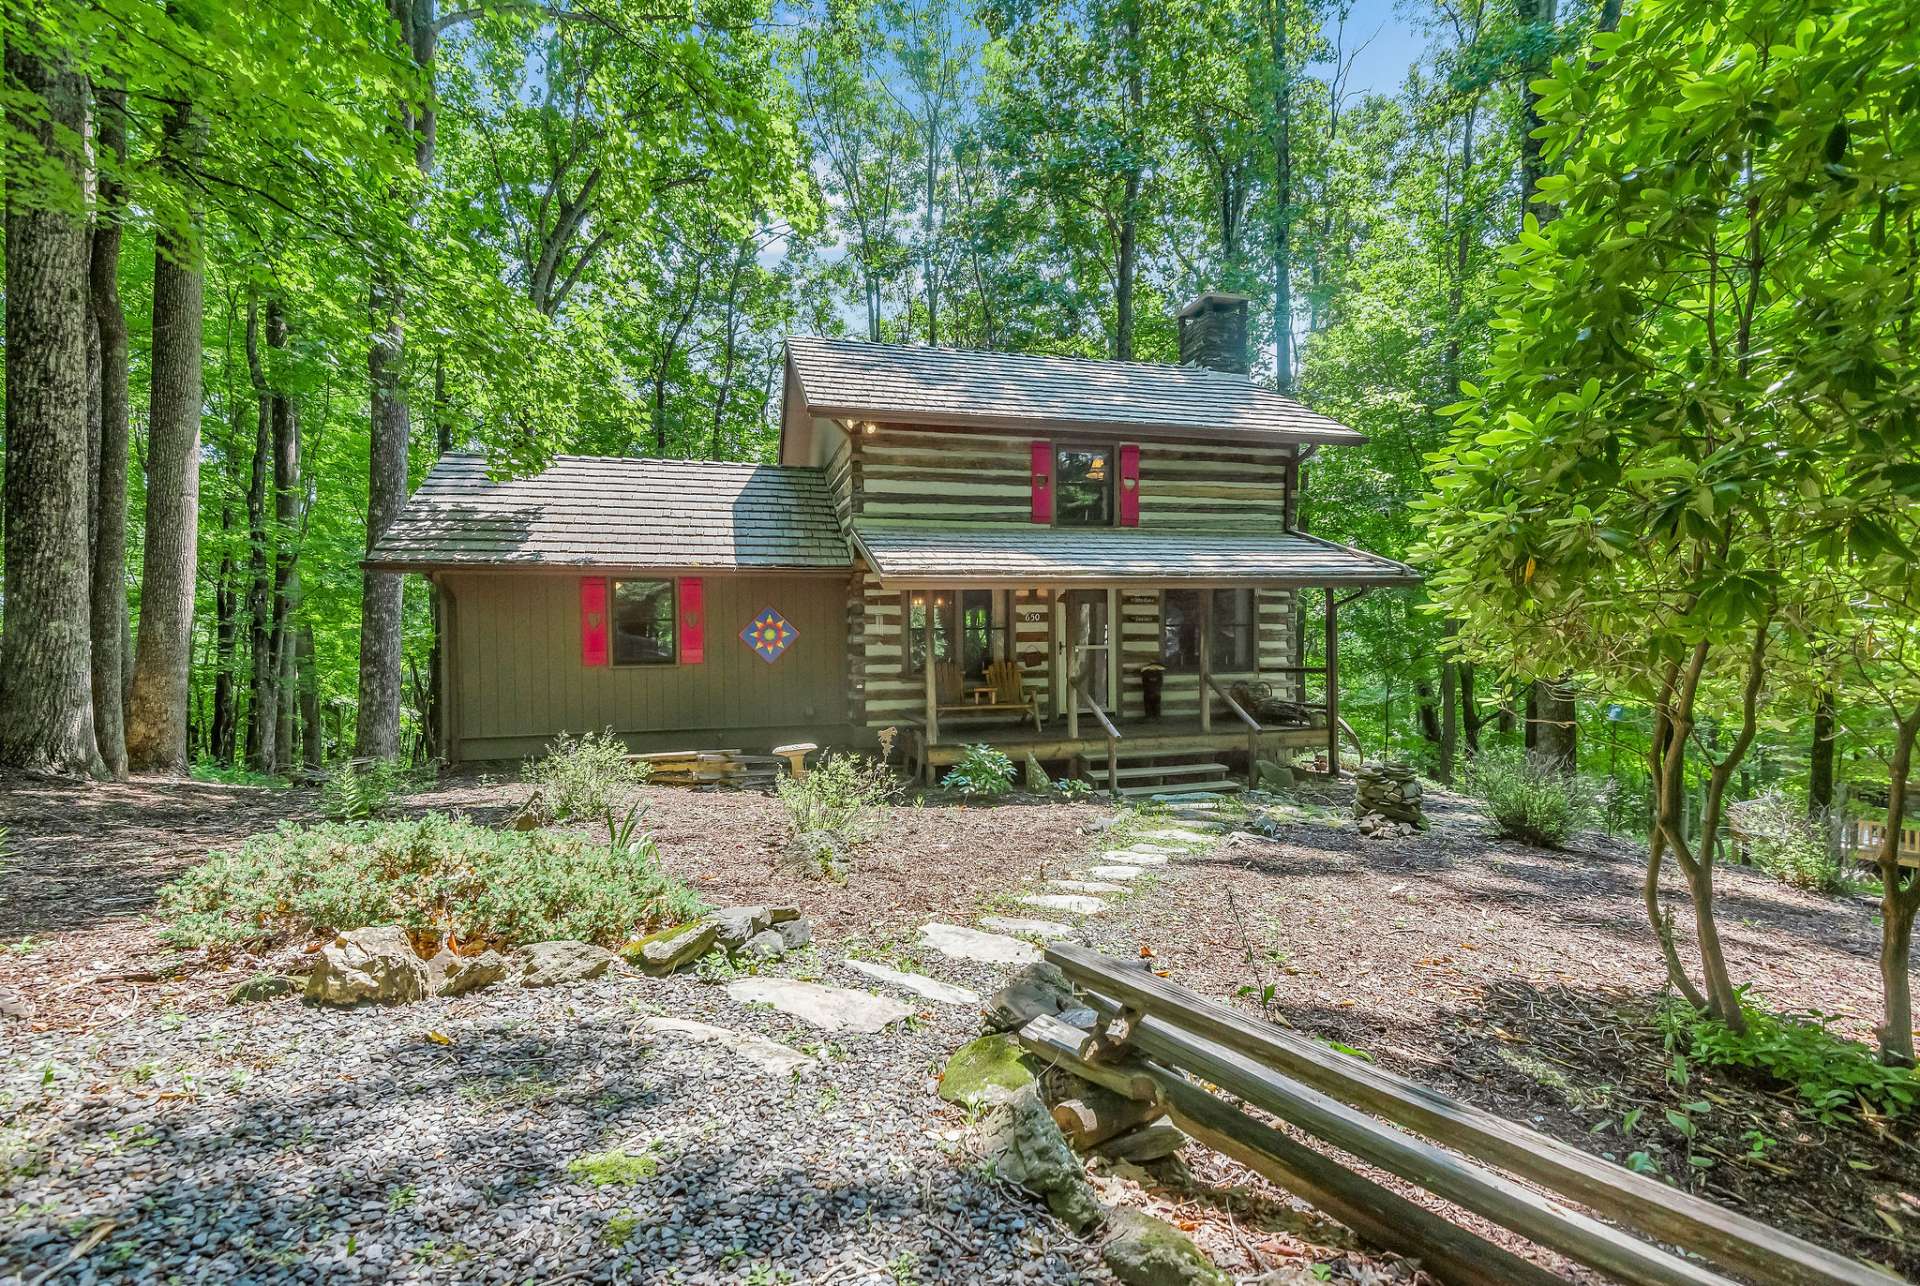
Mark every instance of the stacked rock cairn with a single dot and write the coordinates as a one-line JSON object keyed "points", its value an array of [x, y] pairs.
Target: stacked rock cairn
{"points": [[1386, 799]]}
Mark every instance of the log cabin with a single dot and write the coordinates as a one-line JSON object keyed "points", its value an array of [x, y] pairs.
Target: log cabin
{"points": [[959, 546]]}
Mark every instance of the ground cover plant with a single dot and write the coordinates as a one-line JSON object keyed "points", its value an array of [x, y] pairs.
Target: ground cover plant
{"points": [[981, 772], [587, 778], [1778, 836], [436, 873]]}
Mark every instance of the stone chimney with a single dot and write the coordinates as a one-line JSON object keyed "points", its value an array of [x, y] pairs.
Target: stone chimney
{"points": [[1213, 332]]}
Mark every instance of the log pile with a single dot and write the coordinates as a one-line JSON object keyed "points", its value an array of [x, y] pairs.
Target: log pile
{"points": [[1386, 799]]}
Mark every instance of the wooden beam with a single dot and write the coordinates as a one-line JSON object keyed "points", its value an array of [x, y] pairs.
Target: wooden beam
{"points": [[1722, 1237], [1206, 660], [1072, 662], [1581, 1238], [1381, 1217], [932, 677], [1333, 685]]}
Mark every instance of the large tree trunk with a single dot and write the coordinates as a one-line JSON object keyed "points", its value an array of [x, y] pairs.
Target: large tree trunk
{"points": [[157, 707], [382, 595], [107, 609], [46, 654], [312, 740], [1899, 899], [264, 698], [1552, 730]]}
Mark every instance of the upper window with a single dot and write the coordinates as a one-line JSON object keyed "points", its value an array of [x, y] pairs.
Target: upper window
{"points": [[1083, 487], [643, 622], [1233, 629]]}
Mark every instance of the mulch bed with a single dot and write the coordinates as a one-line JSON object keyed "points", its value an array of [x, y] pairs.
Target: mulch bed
{"points": [[1527, 982]]}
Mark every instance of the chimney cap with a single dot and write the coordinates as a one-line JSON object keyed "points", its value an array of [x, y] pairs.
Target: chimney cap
{"points": [[1210, 299]]}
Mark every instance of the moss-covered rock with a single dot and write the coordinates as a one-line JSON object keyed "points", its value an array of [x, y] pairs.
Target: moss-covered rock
{"points": [[986, 1071], [1143, 1251], [265, 986], [1027, 1148]]}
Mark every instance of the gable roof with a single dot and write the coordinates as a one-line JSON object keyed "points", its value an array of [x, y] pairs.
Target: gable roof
{"points": [[591, 511], [984, 554], [905, 383]]}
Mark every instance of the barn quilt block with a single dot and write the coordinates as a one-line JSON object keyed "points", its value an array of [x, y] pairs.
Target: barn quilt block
{"points": [[769, 635]]}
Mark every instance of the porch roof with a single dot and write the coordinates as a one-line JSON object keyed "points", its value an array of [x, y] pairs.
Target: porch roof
{"points": [[1046, 555]]}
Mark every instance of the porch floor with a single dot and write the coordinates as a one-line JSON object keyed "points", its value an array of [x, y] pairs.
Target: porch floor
{"points": [[1170, 736]]}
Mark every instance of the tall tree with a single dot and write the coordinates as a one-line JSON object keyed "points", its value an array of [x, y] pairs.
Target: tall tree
{"points": [[157, 699], [107, 609], [46, 678]]}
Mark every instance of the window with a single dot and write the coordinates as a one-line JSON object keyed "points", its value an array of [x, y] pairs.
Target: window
{"points": [[1083, 487], [1233, 629], [913, 611], [643, 622]]}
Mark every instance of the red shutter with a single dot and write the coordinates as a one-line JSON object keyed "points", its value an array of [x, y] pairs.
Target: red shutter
{"points": [[1130, 485], [593, 620], [1043, 482], [693, 621]]}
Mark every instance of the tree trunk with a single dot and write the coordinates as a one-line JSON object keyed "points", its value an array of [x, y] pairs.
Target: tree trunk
{"points": [[1552, 730], [1899, 899], [263, 699], [1470, 720], [312, 740], [382, 596], [46, 654], [1820, 766], [226, 608], [1282, 230], [286, 528], [157, 707], [107, 609]]}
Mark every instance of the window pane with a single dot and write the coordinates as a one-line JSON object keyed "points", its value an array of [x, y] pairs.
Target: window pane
{"points": [[1083, 487], [1180, 629], [643, 622], [1233, 629], [976, 631]]}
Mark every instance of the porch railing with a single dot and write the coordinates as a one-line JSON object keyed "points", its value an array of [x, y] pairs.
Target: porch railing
{"points": [[1083, 693], [1239, 712]]}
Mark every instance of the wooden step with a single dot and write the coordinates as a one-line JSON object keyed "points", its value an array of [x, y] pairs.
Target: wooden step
{"points": [[1160, 770], [1220, 787]]}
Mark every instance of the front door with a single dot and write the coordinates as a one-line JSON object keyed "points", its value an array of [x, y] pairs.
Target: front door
{"points": [[1084, 643]]}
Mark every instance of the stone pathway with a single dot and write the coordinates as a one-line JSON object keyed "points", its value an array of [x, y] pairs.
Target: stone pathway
{"points": [[1029, 928], [962, 943]]}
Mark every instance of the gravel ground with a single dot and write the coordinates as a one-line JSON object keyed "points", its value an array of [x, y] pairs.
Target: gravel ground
{"points": [[281, 1143]]}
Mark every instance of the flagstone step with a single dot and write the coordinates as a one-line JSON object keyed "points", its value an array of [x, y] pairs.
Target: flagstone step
{"points": [[769, 1056], [1034, 928], [1115, 872], [963, 943], [1071, 903], [828, 1008], [1086, 886], [919, 984]]}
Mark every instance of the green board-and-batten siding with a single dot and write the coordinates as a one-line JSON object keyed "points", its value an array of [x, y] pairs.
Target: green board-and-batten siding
{"points": [[517, 680]]}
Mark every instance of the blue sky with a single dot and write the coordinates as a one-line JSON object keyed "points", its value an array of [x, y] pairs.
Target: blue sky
{"points": [[1382, 44]]}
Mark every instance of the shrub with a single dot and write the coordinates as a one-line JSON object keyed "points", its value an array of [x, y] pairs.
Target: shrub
{"points": [[586, 778], [371, 788], [1528, 802], [981, 772], [1832, 1076], [843, 795], [1783, 841], [433, 873]]}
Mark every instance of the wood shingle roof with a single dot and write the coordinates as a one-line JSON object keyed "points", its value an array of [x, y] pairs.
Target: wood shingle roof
{"points": [[905, 383], [984, 554], [589, 511]]}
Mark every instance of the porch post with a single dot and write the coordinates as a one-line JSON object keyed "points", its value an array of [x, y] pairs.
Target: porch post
{"points": [[1333, 684], [933, 688], [1206, 660], [1070, 679]]}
